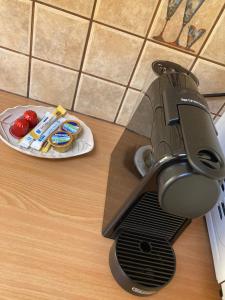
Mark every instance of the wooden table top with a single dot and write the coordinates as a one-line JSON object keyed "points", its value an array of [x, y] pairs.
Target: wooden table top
{"points": [[51, 246]]}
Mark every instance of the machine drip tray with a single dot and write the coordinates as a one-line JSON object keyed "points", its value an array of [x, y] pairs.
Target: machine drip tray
{"points": [[140, 263]]}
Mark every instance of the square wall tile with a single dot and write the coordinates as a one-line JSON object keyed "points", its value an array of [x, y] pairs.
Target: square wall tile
{"points": [[98, 98], [203, 18], [132, 15], [52, 84], [215, 103], [59, 37], [111, 54], [152, 52], [215, 46], [130, 103], [14, 72], [211, 77], [15, 18], [82, 7]]}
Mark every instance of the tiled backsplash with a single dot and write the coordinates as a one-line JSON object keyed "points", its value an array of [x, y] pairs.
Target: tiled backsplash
{"points": [[93, 56]]}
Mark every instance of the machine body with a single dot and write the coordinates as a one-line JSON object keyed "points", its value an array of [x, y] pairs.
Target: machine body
{"points": [[182, 129], [165, 170]]}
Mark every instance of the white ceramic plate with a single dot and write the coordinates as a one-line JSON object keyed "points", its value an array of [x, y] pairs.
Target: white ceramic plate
{"points": [[84, 144]]}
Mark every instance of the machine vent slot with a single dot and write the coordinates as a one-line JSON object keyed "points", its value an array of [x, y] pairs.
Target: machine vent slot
{"points": [[148, 217], [223, 208], [146, 260], [220, 212], [222, 187]]}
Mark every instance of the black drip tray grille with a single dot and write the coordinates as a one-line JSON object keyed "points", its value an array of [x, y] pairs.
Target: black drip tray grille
{"points": [[148, 217], [146, 260], [140, 263]]}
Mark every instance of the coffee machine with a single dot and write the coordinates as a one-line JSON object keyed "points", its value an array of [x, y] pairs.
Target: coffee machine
{"points": [[165, 170]]}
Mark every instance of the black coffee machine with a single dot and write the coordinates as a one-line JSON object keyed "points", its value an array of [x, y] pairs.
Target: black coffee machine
{"points": [[165, 170]]}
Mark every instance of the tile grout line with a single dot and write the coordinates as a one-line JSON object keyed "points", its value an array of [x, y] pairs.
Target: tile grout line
{"points": [[138, 59], [171, 47], [119, 29], [96, 118], [221, 108], [207, 37], [213, 116], [63, 10], [102, 78], [54, 64], [216, 116], [211, 60], [14, 51], [31, 45], [84, 54]]}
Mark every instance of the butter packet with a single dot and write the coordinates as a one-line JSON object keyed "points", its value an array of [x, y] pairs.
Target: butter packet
{"points": [[72, 127], [37, 144], [42, 126], [61, 141]]}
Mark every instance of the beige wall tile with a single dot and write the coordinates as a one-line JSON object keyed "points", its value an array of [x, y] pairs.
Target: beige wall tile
{"points": [[111, 54], [215, 103], [204, 18], [154, 52], [59, 37], [132, 15], [52, 84], [82, 7], [14, 72], [15, 18], [210, 75], [215, 46], [98, 98], [130, 103]]}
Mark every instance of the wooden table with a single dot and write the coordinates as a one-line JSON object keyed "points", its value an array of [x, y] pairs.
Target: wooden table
{"points": [[51, 212]]}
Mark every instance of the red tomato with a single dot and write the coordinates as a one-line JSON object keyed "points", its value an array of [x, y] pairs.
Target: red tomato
{"points": [[31, 117], [20, 128]]}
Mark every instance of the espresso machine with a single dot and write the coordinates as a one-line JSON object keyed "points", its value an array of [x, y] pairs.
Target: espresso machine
{"points": [[166, 169]]}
